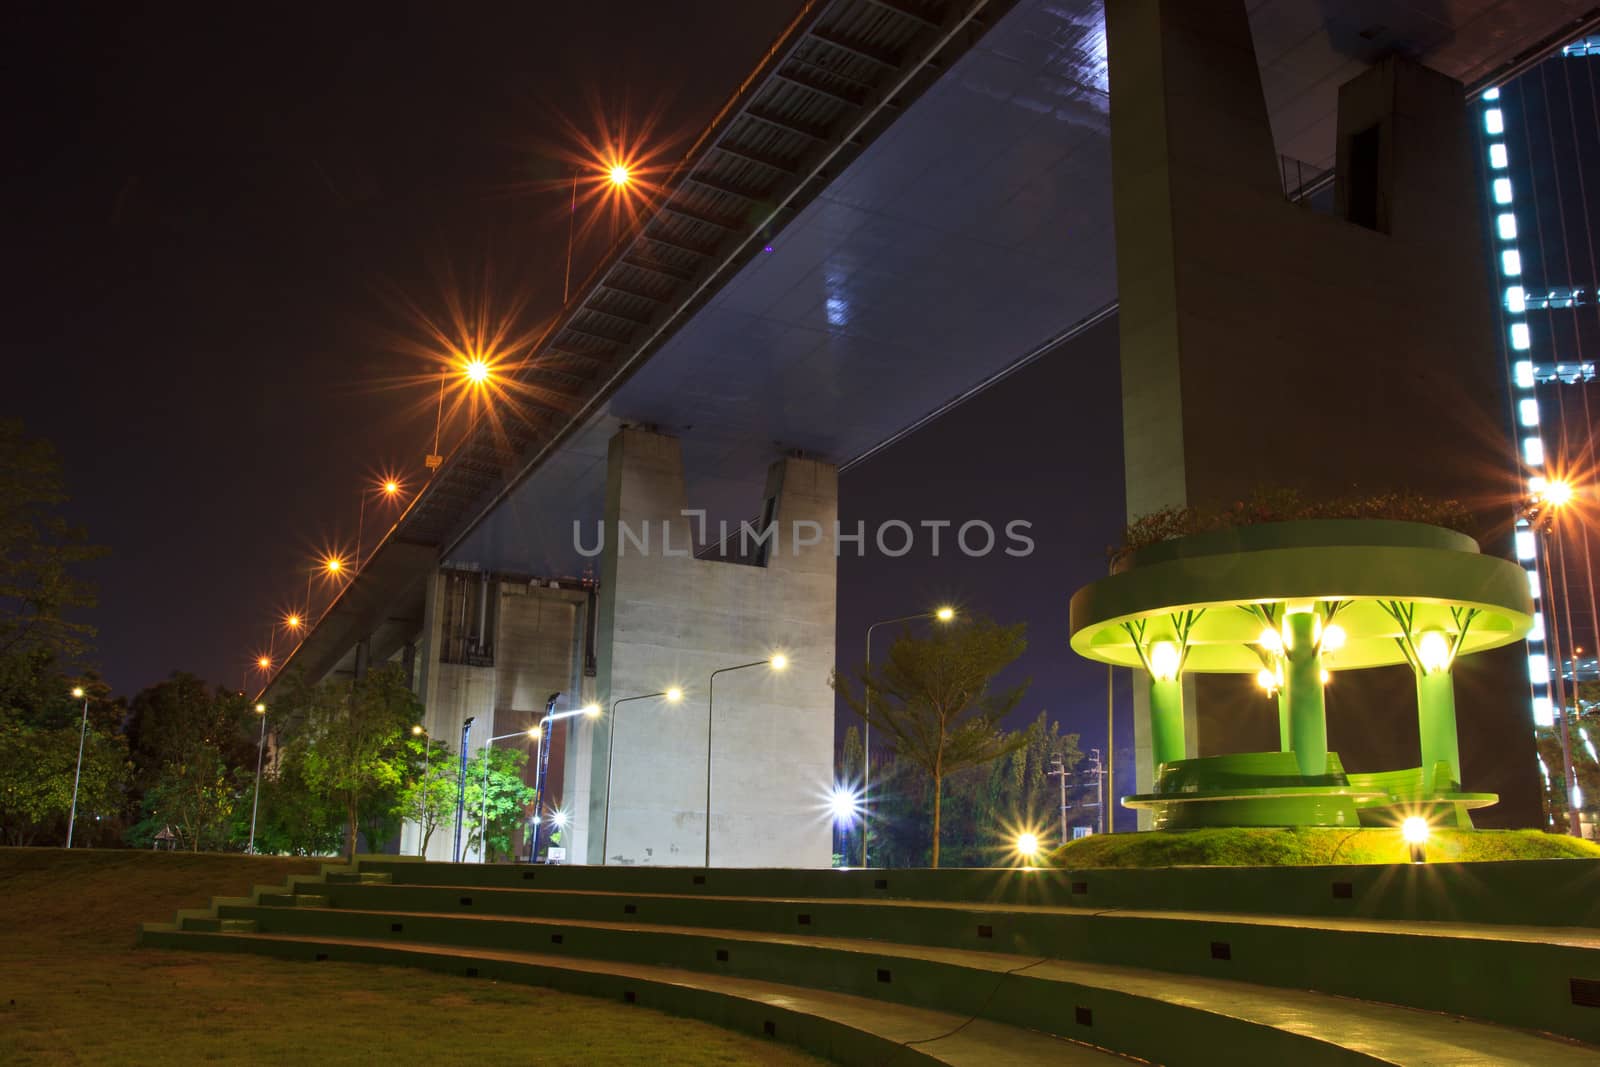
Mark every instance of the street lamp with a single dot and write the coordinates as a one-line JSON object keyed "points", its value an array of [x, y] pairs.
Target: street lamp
{"points": [[543, 756], [777, 662], [422, 792], [389, 488], [255, 806], [78, 693], [671, 696], [941, 614]]}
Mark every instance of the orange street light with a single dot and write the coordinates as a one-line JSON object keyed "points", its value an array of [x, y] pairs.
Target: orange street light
{"points": [[477, 370], [1558, 494], [619, 175], [265, 663]]}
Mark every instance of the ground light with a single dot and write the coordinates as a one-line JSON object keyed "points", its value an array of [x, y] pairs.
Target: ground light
{"points": [[1416, 830], [1027, 846]]}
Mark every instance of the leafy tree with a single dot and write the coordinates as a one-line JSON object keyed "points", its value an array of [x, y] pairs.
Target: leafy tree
{"points": [[40, 554], [37, 767], [508, 798], [352, 741], [430, 790], [295, 819], [932, 698]]}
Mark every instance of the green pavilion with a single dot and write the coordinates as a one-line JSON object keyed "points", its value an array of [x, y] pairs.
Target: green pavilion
{"points": [[1293, 604]]}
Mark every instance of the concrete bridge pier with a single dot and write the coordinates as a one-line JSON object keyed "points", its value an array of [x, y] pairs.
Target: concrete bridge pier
{"points": [[1268, 344], [669, 617]]}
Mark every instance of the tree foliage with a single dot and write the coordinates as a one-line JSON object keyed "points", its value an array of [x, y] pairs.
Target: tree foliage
{"points": [[351, 744], [507, 799], [932, 698], [430, 791], [40, 568]]}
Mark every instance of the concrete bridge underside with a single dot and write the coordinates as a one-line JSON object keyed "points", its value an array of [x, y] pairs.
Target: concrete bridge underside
{"points": [[927, 205]]}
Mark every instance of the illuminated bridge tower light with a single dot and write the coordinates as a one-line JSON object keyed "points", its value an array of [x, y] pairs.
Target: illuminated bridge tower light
{"points": [[1525, 402]]}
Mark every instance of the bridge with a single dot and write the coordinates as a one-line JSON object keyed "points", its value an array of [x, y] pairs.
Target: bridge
{"points": [[905, 201]]}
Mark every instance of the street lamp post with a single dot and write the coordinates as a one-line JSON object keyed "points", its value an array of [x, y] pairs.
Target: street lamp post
{"points": [[777, 663], [671, 696], [944, 614], [461, 786], [390, 488], [255, 805], [83, 733], [422, 792], [543, 756]]}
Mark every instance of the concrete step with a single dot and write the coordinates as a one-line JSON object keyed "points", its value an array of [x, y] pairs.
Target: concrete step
{"points": [[294, 900], [359, 878], [202, 924], [1518, 976], [1147, 1014], [844, 1028], [1520, 892]]}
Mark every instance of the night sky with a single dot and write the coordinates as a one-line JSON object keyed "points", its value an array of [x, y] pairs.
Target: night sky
{"points": [[213, 220]]}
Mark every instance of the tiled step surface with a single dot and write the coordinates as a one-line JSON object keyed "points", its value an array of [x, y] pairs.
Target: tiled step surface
{"points": [[847, 1029], [1151, 1015]]}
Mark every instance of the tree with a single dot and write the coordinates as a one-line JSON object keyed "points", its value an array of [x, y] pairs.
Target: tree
{"points": [[932, 697], [40, 554], [430, 791], [352, 742], [37, 770], [194, 754], [508, 798]]}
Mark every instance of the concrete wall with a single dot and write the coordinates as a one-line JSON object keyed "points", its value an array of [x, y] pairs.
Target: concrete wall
{"points": [[671, 620], [536, 650], [1265, 345]]}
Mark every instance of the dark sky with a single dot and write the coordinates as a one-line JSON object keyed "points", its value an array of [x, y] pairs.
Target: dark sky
{"points": [[209, 215]]}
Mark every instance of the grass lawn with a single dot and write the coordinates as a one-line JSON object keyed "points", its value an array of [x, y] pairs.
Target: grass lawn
{"points": [[75, 989], [1310, 846]]}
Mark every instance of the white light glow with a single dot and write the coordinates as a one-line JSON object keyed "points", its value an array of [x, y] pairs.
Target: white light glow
{"points": [[1270, 640], [1527, 543], [1434, 651], [1494, 121], [1491, 94], [1528, 415], [1516, 302], [1520, 339], [1536, 633], [1511, 263], [1533, 451], [1539, 668], [1543, 715], [1165, 658], [1502, 190], [1533, 584], [1333, 637], [1523, 372], [1506, 224], [1415, 830], [1497, 156], [843, 803]]}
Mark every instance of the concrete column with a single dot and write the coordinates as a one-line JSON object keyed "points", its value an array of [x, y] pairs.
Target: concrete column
{"points": [[1302, 690], [669, 619], [1436, 726], [363, 657]]}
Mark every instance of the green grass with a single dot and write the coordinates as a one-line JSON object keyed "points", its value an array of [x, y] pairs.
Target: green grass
{"points": [[74, 989], [1310, 846]]}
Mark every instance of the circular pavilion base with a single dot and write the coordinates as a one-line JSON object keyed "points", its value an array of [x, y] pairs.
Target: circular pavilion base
{"points": [[1267, 789]]}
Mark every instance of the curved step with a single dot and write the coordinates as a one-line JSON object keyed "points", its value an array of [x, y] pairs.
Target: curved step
{"points": [[1514, 975], [1149, 1014], [844, 1028]]}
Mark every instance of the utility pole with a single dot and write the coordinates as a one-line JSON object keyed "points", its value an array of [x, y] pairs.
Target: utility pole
{"points": [[1058, 769], [1098, 767]]}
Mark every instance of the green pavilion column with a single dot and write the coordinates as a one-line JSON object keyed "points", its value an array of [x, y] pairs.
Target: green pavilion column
{"points": [[1436, 724], [1302, 692], [1166, 720], [1285, 743]]}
